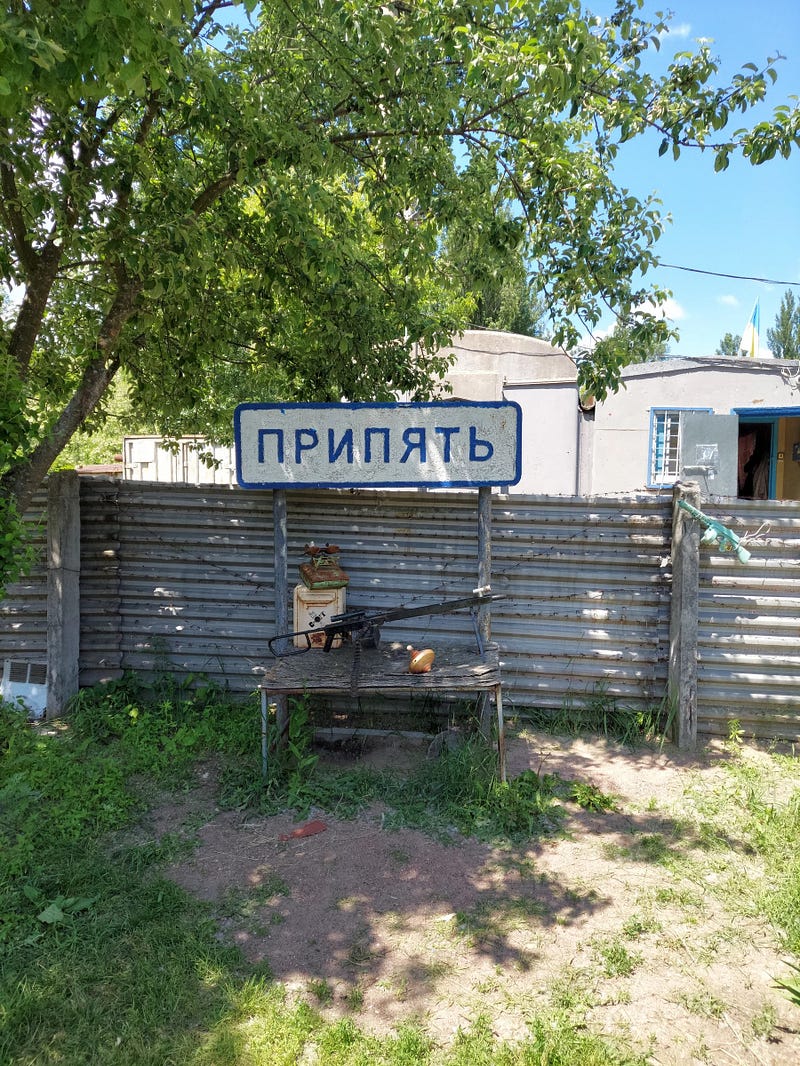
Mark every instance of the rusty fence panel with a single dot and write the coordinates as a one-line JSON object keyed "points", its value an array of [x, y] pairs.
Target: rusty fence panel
{"points": [[587, 589], [181, 576], [749, 624], [174, 576]]}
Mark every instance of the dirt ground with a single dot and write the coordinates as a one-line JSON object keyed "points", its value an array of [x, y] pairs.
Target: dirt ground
{"points": [[391, 926]]}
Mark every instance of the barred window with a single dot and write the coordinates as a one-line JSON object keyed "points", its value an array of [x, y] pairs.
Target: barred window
{"points": [[665, 447]]}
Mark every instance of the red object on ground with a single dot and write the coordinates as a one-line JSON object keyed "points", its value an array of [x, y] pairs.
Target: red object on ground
{"points": [[310, 829]]}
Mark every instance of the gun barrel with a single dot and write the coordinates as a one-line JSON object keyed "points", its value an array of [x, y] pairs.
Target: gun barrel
{"points": [[693, 511], [347, 618], [441, 607]]}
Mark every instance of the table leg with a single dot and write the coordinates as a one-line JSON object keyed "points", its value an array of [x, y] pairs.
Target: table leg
{"points": [[501, 732], [264, 746]]}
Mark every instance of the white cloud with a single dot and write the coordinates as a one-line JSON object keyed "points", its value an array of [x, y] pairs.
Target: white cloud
{"points": [[682, 29], [669, 308], [588, 340], [728, 300]]}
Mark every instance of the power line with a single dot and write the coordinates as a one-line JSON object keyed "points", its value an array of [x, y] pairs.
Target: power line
{"points": [[736, 277]]}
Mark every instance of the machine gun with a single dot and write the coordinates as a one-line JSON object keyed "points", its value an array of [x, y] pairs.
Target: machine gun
{"points": [[365, 626], [717, 533]]}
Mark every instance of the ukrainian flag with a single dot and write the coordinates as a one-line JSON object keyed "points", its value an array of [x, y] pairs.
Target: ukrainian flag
{"points": [[749, 344]]}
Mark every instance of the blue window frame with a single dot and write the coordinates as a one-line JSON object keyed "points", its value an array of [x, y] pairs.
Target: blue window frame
{"points": [[664, 464]]}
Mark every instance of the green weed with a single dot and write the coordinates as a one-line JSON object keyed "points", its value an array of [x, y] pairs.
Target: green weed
{"points": [[354, 998], [162, 726], [492, 920], [321, 991], [703, 1004], [637, 926], [764, 1021], [591, 798], [735, 734], [616, 958], [599, 713], [571, 992], [791, 985], [246, 904], [55, 791], [461, 792]]}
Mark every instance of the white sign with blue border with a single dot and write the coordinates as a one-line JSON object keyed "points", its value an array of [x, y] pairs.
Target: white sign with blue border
{"points": [[450, 444]]}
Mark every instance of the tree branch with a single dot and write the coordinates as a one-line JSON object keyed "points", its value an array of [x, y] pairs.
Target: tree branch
{"points": [[12, 216], [21, 482], [39, 284]]}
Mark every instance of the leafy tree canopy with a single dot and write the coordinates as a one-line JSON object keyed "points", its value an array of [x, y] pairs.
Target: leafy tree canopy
{"points": [[257, 213], [731, 344], [485, 257], [784, 340]]}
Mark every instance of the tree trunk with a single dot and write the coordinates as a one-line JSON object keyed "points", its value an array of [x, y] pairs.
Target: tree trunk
{"points": [[23, 479]]}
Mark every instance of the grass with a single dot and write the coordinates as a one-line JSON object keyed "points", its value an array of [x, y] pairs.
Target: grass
{"points": [[703, 1004], [754, 812], [615, 957], [600, 714], [103, 959], [247, 905], [493, 919], [647, 847]]}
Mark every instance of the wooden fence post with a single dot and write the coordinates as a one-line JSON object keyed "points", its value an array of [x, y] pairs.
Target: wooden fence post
{"points": [[683, 620], [281, 576], [484, 578], [63, 589]]}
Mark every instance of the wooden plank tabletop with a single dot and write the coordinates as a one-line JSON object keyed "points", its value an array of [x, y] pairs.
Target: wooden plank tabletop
{"points": [[383, 669]]}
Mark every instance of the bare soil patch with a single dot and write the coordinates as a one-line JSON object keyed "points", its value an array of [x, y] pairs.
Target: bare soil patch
{"points": [[391, 926]]}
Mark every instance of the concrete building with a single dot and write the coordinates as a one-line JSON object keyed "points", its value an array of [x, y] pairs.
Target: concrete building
{"points": [[732, 424]]}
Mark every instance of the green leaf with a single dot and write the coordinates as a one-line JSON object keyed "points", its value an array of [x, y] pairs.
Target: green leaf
{"points": [[51, 915]]}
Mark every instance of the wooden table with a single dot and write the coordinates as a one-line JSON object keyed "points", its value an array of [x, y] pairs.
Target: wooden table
{"points": [[383, 671]]}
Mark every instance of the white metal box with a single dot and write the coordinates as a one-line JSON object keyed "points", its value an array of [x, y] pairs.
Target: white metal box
{"points": [[313, 609], [27, 683]]}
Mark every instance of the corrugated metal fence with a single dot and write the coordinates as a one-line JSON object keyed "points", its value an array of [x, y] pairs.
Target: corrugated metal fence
{"points": [[23, 611], [749, 625], [188, 572], [182, 576]]}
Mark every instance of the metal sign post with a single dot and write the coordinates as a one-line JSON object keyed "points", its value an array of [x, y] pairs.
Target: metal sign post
{"points": [[377, 445]]}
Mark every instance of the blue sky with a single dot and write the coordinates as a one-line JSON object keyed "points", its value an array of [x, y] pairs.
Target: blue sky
{"points": [[743, 221]]}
